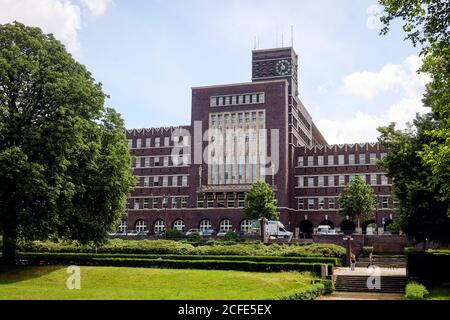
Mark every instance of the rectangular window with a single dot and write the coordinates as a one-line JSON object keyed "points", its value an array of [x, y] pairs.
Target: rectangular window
{"points": [[157, 142], [175, 181], [331, 181], [139, 143], [148, 142], [341, 159], [384, 180], [241, 200], [220, 200], [310, 161], [147, 162], [130, 143], [156, 181], [164, 202], [310, 204], [300, 182], [373, 158], [385, 203], [351, 159], [174, 202], [165, 181], [138, 162], [184, 201], [310, 181], [383, 155], [156, 162], [184, 181], [300, 162], [137, 204], [146, 181], [300, 204], [155, 203], [321, 203], [320, 160], [200, 201], [210, 201], [320, 181], [331, 203], [341, 180], [230, 200], [331, 160], [362, 158], [146, 203], [373, 179], [166, 161], [166, 141]]}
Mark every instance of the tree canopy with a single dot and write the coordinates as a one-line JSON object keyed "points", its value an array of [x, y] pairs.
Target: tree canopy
{"points": [[260, 202], [65, 168], [358, 200]]}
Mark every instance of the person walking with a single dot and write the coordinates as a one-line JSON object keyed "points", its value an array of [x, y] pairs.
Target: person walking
{"points": [[353, 261]]}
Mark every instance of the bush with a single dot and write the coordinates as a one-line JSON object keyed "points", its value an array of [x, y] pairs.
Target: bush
{"points": [[415, 291], [309, 292], [429, 268], [231, 236], [178, 247], [253, 266], [194, 237], [367, 250], [174, 234]]}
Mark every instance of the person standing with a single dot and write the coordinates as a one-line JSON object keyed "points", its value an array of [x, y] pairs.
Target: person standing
{"points": [[370, 260], [353, 261]]}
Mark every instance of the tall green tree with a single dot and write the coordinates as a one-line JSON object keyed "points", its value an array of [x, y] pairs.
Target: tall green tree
{"points": [[422, 214], [427, 24], [358, 200], [65, 169], [261, 204]]}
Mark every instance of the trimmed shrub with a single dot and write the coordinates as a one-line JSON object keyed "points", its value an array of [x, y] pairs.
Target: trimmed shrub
{"points": [[367, 250], [429, 268], [415, 291], [174, 234], [231, 236], [309, 292]]}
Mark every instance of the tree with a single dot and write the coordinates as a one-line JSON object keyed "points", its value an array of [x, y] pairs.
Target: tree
{"points": [[261, 204], [65, 168], [421, 214], [358, 200], [427, 23]]}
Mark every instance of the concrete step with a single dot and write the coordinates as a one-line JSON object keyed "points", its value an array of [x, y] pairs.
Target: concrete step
{"points": [[388, 284]]}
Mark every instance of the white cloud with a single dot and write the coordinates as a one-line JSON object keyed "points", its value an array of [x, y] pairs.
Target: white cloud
{"points": [[362, 127], [63, 18], [392, 77], [96, 7]]}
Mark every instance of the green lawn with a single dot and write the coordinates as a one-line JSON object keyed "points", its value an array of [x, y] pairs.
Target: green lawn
{"points": [[49, 282], [440, 293]]}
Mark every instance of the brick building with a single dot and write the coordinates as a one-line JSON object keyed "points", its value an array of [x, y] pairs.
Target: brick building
{"points": [[196, 176]]}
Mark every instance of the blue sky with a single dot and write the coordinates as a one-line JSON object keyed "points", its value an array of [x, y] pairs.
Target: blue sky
{"points": [[148, 54]]}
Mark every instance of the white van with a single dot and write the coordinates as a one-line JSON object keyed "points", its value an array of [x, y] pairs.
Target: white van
{"points": [[277, 229], [325, 229]]}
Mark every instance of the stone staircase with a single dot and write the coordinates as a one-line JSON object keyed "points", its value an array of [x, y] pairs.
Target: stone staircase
{"points": [[388, 284], [381, 261]]}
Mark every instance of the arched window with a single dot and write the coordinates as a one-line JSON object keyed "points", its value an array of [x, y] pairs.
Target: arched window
{"points": [[205, 224], [246, 226], [141, 226], [225, 225], [123, 226], [159, 226], [306, 227], [348, 227], [179, 225]]}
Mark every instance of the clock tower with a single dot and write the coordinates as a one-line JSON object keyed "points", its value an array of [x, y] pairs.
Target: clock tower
{"points": [[279, 63]]}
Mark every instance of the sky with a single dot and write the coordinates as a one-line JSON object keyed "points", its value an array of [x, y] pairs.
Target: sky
{"points": [[149, 53]]}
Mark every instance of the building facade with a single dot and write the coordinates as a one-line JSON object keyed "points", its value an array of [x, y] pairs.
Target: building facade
{"points": [[196, 176]]}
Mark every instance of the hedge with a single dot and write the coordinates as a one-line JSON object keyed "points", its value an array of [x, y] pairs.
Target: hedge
{"points": [[51, 255], [429, 268], [180, 264], [415, 291], [309, 292], [177, 247]]}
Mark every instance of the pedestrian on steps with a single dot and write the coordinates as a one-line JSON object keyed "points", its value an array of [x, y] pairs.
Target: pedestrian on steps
{"points": [[353, 261], [370, 260]]}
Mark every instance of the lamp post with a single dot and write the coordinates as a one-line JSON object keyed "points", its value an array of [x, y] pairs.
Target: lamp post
{"points": [[349, 248]]}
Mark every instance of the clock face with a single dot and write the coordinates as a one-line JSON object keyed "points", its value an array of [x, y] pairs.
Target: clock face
{"points": [[283, 67]]}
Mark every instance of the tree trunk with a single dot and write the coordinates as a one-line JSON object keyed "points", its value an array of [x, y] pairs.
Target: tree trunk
{"points": [[262, 222], [9, 246]]}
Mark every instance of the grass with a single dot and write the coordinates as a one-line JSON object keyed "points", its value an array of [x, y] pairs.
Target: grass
{"points": [[440, 293], [121, 283]]}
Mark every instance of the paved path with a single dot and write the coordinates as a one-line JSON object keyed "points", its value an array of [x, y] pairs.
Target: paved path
{"points": [[368, 272], [361, 296]]}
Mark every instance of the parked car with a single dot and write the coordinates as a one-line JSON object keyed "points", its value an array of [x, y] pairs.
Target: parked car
{"points": [[222, 233], [192, 231], [132, 233], [325, 229], [209, 232], [143, 233]]}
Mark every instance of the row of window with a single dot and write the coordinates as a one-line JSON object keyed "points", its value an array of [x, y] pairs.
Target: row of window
{"points": [[159, 203], [342, 159], [340, 180], [164, 181], [246, 225], [332, 203], [164, 161], [238, 118], [147, 142], [237, 99]]}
